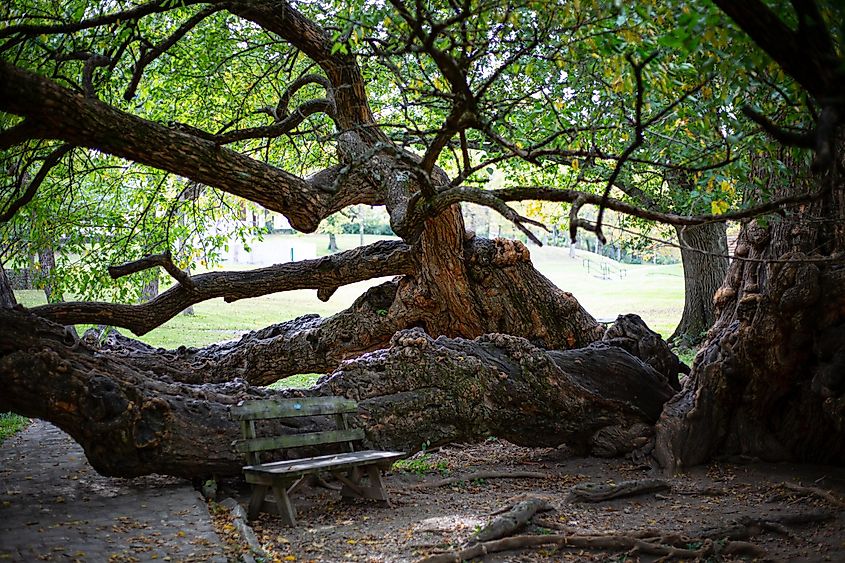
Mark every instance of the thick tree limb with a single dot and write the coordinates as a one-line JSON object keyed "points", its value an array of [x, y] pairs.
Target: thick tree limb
{"points": [[131, 421], [17, 134], [808, 65], [60, 113], [383, 258]]}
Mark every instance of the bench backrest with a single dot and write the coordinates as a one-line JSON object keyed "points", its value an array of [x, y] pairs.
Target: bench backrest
{"points": [[248, 412]]}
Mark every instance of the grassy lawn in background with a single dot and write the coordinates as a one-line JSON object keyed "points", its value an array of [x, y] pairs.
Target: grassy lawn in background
{"points": [[656, 293]]}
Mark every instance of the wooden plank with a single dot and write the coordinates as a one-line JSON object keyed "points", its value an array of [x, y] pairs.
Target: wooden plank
{"points": [[248, 432], [295, 467], [287, 408], [340, 422], [298, 440]]}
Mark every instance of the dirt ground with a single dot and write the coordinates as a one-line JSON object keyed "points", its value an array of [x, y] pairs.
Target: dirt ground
{"points": [[432, 519]]}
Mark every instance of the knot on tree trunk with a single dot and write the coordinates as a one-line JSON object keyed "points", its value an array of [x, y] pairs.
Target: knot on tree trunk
{"points": [[632, 334]]}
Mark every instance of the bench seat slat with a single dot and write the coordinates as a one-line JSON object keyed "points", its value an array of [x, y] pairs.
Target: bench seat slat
{"points": [[298, 440], [288, 408], [296, 467]]}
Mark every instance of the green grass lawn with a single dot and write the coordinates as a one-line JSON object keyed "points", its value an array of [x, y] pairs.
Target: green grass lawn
{"points": [[10, 424], [656, 293]]}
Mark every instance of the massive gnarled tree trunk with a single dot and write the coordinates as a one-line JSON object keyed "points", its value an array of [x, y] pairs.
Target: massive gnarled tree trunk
{"points": [[769, 381], [598, 399], [704, 250], [454, 347]]}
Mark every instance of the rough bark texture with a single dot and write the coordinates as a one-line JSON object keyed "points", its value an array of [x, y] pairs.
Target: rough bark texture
{"points": [[7, 294], [632, 334], [704, 251], [504, 293], [770, 379], [419, 390]]}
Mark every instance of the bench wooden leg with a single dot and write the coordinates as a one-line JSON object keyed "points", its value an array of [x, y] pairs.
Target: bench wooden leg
{"points": [[376, 488], [354, 488], [284, 507], [351, 483], [256, 501]]}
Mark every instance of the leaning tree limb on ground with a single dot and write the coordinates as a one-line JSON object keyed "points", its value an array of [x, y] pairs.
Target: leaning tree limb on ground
{"points": [[419, 390]]}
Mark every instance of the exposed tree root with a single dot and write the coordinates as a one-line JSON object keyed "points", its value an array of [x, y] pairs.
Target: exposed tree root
{"points": [[482, 475], [815, 491], [616, 542], [723, 540], [513, 519], [598, 492]]}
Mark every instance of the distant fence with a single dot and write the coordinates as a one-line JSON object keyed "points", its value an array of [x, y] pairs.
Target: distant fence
{"points": [[603, 270]]}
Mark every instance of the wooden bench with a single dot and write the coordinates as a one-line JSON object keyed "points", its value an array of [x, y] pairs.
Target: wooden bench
{"points": [[282, 477]]}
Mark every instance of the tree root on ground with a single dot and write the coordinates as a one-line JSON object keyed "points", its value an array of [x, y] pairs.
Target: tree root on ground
{"points": [[598, 492], [815, 491], [723, 540], [508, 522], [618, 542], [482, 475]]}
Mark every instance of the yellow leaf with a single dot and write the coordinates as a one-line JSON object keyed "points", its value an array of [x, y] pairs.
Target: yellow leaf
{"points": [[718, 206], [574, 164], [290, 558]]}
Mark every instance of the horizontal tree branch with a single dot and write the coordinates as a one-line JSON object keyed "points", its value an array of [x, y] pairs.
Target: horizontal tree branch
{"points": [[62, 114], [571, 196], [383, 258], [164, 260]]}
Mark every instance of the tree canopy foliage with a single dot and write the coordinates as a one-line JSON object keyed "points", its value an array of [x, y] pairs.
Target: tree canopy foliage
{"points": [[640, 102]]}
